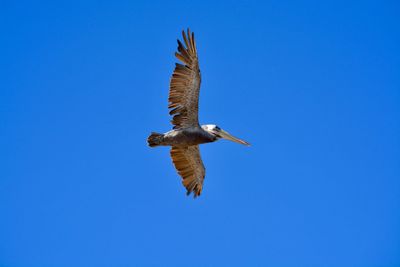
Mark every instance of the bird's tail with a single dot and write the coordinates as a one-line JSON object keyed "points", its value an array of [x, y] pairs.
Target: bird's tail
{"points": [[154, 139]]}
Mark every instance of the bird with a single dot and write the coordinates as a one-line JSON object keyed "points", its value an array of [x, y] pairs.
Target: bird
{"points": [[187, 134]]}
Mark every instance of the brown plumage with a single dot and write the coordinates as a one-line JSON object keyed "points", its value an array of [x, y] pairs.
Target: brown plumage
{"points": [[187, 134], [184, 104], [185, 85], [190, 167]]}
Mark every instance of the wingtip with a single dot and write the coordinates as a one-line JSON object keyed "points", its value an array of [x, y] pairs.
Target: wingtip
{"points": [[195, 192], [187, 33]]}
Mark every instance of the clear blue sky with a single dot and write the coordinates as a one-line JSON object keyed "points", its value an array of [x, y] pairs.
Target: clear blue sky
{"points": [[314, 86]]}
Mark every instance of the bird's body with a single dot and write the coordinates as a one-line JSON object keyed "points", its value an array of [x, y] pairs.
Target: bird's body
{"points": [[187, 134], [185, 137]]}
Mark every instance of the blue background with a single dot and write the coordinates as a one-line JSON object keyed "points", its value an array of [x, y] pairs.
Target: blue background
{"points": [[314, 86]]}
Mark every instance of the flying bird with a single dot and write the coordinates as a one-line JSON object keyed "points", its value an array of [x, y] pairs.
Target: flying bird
{"points": [[187, 134]]}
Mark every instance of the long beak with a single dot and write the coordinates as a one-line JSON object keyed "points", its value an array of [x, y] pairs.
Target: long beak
{"points": [[228, 136]]}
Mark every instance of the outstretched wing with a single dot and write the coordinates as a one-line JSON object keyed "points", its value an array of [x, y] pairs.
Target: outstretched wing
{"points": [[190, 167], [185, 85]]}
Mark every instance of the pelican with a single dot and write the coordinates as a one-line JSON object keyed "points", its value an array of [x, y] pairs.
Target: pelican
{"points": [[187, 134]]}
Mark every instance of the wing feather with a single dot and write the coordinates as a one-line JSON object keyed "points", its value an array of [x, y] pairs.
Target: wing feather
{"points": [[188, 163], [185, 82]]}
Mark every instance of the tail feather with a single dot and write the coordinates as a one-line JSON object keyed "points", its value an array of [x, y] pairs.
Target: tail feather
{"points": [[154, 139]]}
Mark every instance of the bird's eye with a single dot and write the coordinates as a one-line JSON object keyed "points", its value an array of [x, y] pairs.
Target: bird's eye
{"points": [[217, 128]]}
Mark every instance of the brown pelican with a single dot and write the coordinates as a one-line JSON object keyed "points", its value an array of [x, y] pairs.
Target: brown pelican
{"points": [[187, 134]]}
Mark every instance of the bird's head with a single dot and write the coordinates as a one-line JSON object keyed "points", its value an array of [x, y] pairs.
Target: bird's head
{"points": [[219, 133]]}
